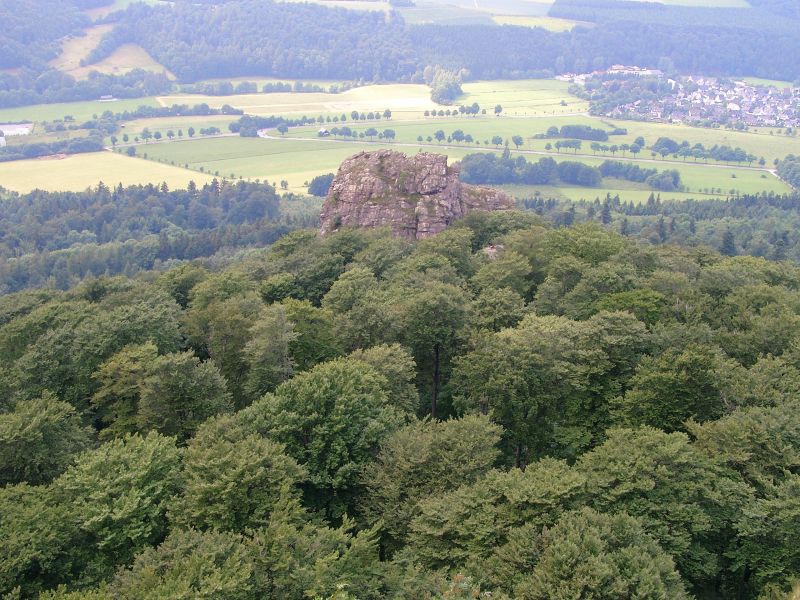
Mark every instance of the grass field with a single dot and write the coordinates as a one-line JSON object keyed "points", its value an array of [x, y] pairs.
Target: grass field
{"points": [[768, 82], [297, 161], [405, 100], [443, 14], [81, 111], [166, 124], [350, 4], [103, 11], [253, 158], [260, 81], [77, 172], [704, 3], [549, 23], [483, 128], [124, 59], [581, 193], [76, 48], [529, 108], [526, 97]]}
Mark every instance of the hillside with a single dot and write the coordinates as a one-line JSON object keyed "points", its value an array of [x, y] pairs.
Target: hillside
{"points": [[372, 46]]}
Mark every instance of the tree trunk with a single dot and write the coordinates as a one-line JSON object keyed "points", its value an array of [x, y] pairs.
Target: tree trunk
{"points": [[435, 395]]}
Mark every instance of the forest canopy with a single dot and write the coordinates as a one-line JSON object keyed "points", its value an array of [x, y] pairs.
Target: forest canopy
{"points": [[270, 423]]}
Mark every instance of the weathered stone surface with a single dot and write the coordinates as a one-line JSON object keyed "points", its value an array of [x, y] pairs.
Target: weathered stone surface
{"points": [[417, 196]]}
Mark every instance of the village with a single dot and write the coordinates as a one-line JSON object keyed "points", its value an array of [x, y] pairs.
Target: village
{"points": [[689, 99]]}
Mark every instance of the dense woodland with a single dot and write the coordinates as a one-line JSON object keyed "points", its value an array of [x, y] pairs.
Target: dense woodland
{"points": [[201, 397], [361, 416], [760, 225], [60, 238]]}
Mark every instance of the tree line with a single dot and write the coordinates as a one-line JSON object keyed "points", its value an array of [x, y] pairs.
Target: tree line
{"points": [[667, 181], [490, 168], [760, 225]]}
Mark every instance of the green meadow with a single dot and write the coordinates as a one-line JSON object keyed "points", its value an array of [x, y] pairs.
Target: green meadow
{"points": [[80, 111], [299, 160], [80, 171], [530, 107]]}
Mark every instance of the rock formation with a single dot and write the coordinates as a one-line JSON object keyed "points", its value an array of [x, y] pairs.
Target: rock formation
{"points": [[416, 196]]}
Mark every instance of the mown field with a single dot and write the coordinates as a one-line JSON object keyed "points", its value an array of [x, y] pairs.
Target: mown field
{"points": [[80, 111], [530, 107], [175, 124], [549, 23], [76, 48], [80, 171], [123, 60], [484, 128], [299, 160], [405, 100]]}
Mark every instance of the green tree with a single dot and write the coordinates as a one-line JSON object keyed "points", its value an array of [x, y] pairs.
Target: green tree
{"points": [[595, 556], [179, 281], [672, 387], [685, 500], [267, 353], [314, 339], [351, 287], [119, 379], [332, 419], [767, 536], [118, 495], [179, 393], [396, 364], [421, 460], [232, 478], [517, 141], [761, 443], [39, 439], [431, 316], [508, 270], [549, 381], [475, 523], [190, 564], [496, 309], [728, 247], [39, 540]]}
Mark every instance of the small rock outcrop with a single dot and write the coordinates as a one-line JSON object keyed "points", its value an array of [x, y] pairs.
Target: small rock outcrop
{"points": [[416, 196]]}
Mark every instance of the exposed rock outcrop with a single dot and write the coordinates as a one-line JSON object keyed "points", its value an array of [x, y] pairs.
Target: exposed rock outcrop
{"points": [[417, 196]]}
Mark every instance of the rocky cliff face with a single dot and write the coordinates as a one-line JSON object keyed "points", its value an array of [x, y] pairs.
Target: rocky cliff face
{"points": [[417, 196]]}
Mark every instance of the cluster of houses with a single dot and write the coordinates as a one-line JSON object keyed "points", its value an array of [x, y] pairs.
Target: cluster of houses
{"points": [[696, 98], [621, 70], [719, 101], [11, 129]]}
